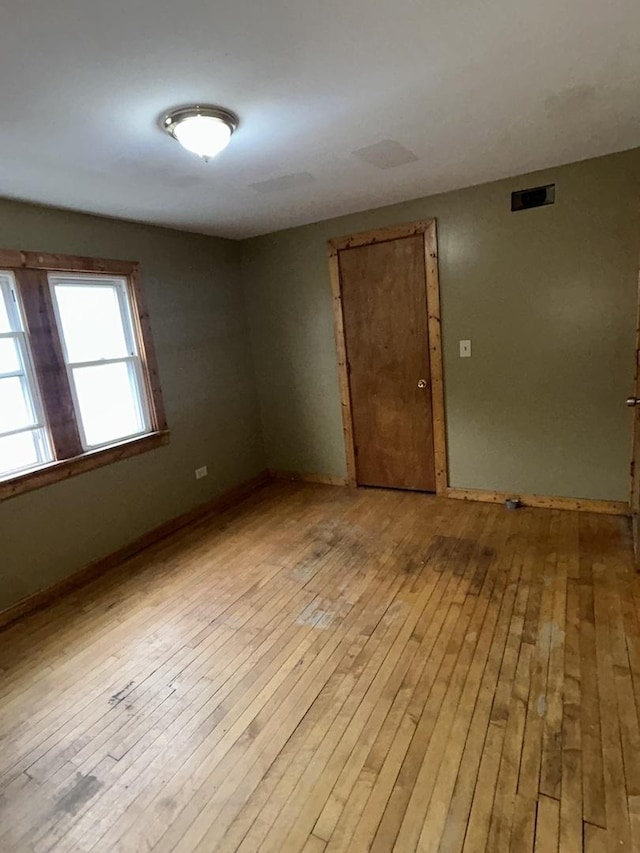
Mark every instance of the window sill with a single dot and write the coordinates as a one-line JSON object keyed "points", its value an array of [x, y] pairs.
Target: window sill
{"points": [[65, 468]]}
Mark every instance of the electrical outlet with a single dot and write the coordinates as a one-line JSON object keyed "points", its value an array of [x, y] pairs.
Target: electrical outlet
{"points": [[201, 472], [465, 349]]}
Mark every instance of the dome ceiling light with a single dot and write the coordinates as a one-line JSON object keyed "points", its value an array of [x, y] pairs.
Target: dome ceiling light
{"points": [[203, 130]]}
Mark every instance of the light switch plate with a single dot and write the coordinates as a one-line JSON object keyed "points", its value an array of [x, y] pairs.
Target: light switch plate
{"points": [[201, 472], [465, 349]]}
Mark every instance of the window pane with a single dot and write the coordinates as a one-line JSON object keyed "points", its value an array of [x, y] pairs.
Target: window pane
{"points": [[108, 402], [23, 450], [91, 322], [15, 407], [5, 325], [9, 357], [9, 315]]}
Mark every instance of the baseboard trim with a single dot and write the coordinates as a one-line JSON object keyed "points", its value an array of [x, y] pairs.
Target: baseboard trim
{"points": [[47, 596], [575, 504], [298, 476]]}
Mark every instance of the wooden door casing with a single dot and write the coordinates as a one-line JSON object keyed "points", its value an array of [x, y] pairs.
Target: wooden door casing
{"points": [[634, 492], [387, 345], [426, 230]]}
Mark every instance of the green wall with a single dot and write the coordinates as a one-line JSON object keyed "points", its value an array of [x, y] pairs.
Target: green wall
{"points": [[548, 298], [200, 332], [244, 334]]}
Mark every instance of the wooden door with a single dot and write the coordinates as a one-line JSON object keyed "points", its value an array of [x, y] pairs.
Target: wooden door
{"points": [[384, 305]]}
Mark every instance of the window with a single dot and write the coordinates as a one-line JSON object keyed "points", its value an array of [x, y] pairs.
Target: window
{"points": [[24, 439], [78, 383], [101, 356]]}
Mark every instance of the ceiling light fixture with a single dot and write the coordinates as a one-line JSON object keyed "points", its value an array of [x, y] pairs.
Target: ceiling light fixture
{"points": [[203, 130]]}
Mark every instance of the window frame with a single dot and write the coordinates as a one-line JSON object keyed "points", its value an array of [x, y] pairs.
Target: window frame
{"points": [[19, 334], [133, 360], [31, 272]]}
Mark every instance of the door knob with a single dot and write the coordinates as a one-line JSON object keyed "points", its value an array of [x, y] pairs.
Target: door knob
{"points": [[422, 383], [633, 401]]}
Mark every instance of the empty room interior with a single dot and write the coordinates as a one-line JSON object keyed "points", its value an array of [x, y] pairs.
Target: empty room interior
{"points": [[319, 426]]}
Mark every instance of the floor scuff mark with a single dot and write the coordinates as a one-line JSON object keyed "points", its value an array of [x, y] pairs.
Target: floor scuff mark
{"points": [[83, 789]]}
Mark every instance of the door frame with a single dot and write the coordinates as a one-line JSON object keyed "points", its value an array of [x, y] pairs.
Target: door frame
{"points": [[634, 466], [426, 227]]}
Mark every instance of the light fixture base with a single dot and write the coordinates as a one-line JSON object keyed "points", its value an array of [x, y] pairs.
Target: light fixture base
{"points": [[170, 120]]}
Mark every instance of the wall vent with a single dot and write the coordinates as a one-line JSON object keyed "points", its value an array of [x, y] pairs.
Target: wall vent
{"points": [[533, 197]]}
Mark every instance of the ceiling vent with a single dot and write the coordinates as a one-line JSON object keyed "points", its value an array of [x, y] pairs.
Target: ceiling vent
{"points": [[387, 154], [534, 197]]}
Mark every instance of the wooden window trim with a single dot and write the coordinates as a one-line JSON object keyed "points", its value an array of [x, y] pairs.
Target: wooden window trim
{"points": [[48, 360], [31, 271], [63, 469], [17, 258], [140, 314]]}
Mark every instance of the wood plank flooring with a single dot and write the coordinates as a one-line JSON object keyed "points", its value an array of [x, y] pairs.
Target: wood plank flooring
{"points": [[324, 670]]}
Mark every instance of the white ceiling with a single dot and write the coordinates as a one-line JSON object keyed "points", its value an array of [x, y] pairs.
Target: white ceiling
{"points": [[476, 90]]}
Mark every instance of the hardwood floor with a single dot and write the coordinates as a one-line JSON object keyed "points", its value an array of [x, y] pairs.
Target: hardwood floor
{"points": [[323, 669]]}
